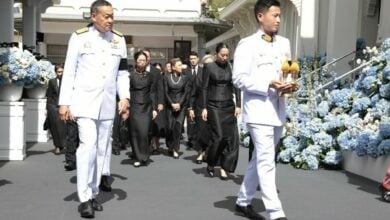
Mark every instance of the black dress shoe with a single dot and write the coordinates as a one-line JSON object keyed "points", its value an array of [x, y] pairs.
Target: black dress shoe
{"points": [[116, 152], [105, 184], [70, 165], [248, 212], [283, 218], [155, 152], [86, 210], [96, 205], [210, 171]]}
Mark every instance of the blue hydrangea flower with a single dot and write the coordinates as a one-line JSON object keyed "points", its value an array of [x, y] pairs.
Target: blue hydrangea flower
{"points": [[374, 99], [290, 142], [353, 122], [312, 162], [384, 147], [347, 140], [335, 121], [340, 98], [323, 109], [324, 140], [384, 91], [312, 150], [384, 129], [333, 157], [382, 107], [360, 105], [367, 142], [286, 155], [386, 72], [369, 83]]}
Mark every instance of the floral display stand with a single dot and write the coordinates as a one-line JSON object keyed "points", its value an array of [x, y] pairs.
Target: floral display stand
{"points": [[10, 92], [36, 92], [12, 138], [366, 166], [35, 115]]}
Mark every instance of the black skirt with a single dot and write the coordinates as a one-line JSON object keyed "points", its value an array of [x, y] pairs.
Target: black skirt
{"points": [[224, 135], [139, 125]]}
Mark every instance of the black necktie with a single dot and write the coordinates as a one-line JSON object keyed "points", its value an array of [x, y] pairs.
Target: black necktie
{"points": [[193, 71]]}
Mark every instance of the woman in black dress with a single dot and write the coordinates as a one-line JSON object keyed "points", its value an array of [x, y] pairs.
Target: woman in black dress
{"points": [[142, 109], [177, 90], [220, 111]]}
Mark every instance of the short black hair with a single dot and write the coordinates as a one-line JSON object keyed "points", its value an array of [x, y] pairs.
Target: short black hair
{"points": [[262, 6], [98, 3], [139, 53], [193, 53], [220, 46]]}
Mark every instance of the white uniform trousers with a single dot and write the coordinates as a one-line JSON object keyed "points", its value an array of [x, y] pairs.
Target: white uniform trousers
{"points": [[261, 170], [92, 154]]}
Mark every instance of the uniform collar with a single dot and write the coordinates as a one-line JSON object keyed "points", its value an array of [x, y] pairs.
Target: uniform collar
{"points": [[263, 36], [98, 33]]}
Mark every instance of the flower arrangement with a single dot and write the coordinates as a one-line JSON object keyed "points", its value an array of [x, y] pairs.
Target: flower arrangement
{"points": [[349, 117], [20, 67]]}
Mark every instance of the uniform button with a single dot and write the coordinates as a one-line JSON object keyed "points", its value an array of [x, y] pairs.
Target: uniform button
{"points": [[104, 63]]}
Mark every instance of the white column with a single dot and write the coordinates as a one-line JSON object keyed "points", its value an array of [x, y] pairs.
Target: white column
{"points": [[12, 139], [309, 27], [342, 30], [29, 23], [384, 27], [6, 21]]}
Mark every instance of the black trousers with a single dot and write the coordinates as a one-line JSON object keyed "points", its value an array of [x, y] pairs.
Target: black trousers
{"points": [[72, 141]]}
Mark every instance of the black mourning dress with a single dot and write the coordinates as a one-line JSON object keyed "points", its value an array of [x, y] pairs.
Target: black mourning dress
{"points": [[142, 104], [177, 90], [218, 92]]}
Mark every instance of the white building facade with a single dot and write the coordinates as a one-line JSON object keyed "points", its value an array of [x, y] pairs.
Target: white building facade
{"points": [[153, 24], [314, 26]]}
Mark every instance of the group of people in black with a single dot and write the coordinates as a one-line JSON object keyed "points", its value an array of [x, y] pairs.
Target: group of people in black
{"points": [[161, 99]]}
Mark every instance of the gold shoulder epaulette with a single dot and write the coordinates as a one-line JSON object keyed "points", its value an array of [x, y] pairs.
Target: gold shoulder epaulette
{"points": [[82, 30], [117, 33]]}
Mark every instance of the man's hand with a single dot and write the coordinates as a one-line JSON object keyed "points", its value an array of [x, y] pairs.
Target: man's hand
{"points": [[204, 114], [237, 112], [123, 106], [154, 115], [126, 114], [191, 114], [160, 107], [279, 86], [65, 114]]}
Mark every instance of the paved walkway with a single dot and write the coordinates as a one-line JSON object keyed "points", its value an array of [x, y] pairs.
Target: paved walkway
{"points": [[38, 188]]}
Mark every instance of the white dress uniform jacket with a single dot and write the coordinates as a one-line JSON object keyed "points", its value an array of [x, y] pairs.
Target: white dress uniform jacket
{"points": [[91, 77], [256, 63]]}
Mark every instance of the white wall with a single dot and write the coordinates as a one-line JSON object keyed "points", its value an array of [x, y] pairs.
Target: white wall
{"points": [[323, 14], [369, 25], [134, 8], [384, 26]]}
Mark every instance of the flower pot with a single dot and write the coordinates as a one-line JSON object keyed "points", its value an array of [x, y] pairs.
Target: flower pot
{"points": [[366, 166], [10, 92], [36, 92]]}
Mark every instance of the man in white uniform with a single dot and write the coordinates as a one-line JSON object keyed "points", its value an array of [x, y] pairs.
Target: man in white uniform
{"points": [[257, 66], [95, 71]]}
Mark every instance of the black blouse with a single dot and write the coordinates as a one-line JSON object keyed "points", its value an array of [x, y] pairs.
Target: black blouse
{"points": [[142, 88], [218, 85], [177, 89]]}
